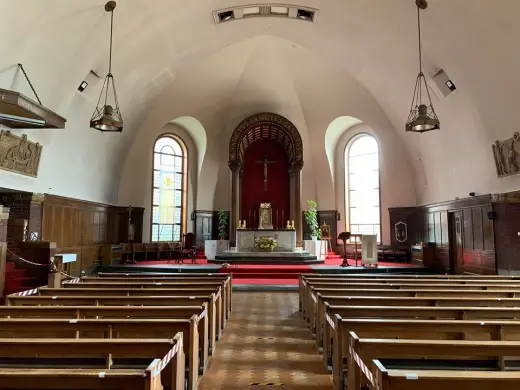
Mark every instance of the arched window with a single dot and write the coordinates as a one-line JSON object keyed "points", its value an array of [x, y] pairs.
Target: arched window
{"points": [[169, 189], [362, 186]]}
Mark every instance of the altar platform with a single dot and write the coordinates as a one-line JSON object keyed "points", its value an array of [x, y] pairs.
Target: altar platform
{"points": [[272, 258]]}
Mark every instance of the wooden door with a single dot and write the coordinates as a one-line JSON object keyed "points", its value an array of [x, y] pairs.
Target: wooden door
{"points": [[456, 246]]}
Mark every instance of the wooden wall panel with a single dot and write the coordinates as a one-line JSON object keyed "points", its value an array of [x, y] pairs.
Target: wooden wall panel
{"points": [[487, 230], [467, 228], [507, 226], [478, 234]]}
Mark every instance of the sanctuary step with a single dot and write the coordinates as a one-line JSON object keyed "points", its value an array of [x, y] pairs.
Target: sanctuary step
{"points": [[274, 258]]}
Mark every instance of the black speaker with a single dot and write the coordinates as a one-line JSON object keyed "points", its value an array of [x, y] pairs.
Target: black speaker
{"points": [[492, 215]]}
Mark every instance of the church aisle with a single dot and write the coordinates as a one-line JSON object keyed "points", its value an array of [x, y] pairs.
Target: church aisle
{"points": [[265, 343]]}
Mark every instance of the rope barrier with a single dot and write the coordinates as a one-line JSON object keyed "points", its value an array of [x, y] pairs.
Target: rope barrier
{"points": [[24, 260]]}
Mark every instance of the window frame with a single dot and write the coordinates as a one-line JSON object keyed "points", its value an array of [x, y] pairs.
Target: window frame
{"points": [[184, 191], [346, 159]]}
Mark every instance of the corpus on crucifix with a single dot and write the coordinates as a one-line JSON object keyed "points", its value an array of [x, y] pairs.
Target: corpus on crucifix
{"points": [[265, 161]]}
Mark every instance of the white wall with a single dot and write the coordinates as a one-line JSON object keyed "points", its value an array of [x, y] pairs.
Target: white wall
{"points": [[137, 180], [226, 89], [396, 187]]}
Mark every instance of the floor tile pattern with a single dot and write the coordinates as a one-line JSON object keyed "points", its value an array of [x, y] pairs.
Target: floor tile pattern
{"points": [[266, 346]]}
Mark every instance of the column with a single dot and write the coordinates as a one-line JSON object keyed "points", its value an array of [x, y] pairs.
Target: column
{"points": [[296, 201], [234, 215]]}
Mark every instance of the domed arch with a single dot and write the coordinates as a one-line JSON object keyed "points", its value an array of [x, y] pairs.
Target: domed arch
{"points": [[266, 126]]}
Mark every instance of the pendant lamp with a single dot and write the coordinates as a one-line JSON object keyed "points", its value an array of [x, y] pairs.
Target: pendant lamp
{"points": [[422, 116], [107, 116]]}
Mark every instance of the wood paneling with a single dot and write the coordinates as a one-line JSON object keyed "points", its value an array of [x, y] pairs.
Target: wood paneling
{"points": [[507, 226], [75, 226], [414, 222], [477, 232], [206, 226]]}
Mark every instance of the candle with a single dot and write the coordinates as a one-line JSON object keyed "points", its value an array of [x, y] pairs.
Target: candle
{"points": [[244, 224]]}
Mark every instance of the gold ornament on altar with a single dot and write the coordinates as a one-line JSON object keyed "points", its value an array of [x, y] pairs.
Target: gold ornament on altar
{"points": [[266, 216]]}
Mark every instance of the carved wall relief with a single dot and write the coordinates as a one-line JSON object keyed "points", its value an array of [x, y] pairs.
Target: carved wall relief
{"points": [[19, 155], [507, 155]]}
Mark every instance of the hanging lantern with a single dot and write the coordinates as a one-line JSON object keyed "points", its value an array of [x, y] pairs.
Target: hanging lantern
{"points": [[107, 116], [422, 115]]}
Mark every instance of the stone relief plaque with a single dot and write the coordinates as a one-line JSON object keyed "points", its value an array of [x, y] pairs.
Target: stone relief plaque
{"points": [[19, 155], [507, 155]]}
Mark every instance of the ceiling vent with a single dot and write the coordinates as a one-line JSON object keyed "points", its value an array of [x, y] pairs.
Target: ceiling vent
{"points": [[265, 10]]}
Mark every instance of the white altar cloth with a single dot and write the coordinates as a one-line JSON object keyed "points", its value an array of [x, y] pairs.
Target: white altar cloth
{"points": [[213, 248], [246, 239], [316, 247]]}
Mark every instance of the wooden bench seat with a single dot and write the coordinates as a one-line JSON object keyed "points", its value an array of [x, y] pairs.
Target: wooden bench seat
{"points": [[158, 277], [97, 283], [405, 312], [443, 379], [364, 351], [166, 357], [79, 379], [96, 312], [312, 303], [489, 330], [158, 296], [306, 280], [111, 328], [36, 300]]}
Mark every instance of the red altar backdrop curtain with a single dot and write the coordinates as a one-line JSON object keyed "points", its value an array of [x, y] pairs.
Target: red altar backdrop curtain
{"points": [[277, 182]]}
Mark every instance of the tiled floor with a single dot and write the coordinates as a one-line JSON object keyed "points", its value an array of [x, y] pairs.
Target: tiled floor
{"points": [[265, 343]]}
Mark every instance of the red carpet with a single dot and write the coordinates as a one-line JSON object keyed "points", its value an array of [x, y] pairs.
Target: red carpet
{"points": [[270, 273]]}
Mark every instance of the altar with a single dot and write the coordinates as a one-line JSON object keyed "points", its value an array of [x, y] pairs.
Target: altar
{"points": [[246, 239]]}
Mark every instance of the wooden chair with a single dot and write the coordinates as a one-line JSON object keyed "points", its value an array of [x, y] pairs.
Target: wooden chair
{"points": [[188, 246], [150, 248], [175, 252], [163, 251], [137, 249]]}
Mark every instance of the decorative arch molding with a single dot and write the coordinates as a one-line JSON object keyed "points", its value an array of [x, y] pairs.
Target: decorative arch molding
{"points": [[279, 129], [266, 126]]}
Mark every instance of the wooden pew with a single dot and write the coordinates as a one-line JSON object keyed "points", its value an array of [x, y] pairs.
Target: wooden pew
{"points": [[166, 358], [414, 312], [145, 292], [164, 282], [446, 380], [492, 330], [111, 328], [363, 351], [311, 289], [448, 301], [96, 312], [308, 279], [37, 300], [445, 291]]}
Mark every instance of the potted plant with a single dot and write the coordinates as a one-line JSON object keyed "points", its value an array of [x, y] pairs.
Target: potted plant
{"points": [[222, 224], [266, 244], [311, 217]]}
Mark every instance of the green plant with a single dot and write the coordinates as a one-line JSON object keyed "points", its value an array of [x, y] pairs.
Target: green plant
{"points": [[311, 217], [222, 224], [266, 242]]}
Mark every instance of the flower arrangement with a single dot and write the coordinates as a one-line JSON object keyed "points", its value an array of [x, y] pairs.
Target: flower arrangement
{"points": [[266, 243]]}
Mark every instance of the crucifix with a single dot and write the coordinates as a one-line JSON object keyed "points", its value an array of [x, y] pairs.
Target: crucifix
{"points": [[265, 162]]}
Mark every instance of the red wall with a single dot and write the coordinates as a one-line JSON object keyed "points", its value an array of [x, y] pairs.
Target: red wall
{"points": [[277, 182]]}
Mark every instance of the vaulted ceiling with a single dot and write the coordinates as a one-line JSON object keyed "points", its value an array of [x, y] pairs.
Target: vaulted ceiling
{"points": [[159, 46]]}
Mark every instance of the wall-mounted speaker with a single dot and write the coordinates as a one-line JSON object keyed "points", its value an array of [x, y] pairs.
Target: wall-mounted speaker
{"points": [[492, 215], [339, 217], [443, 81]]}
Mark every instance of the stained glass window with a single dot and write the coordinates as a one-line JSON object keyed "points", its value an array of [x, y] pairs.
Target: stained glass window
{"points": [[168, 197], [362, 182]]}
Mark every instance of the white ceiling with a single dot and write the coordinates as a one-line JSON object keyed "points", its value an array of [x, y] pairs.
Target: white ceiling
{"points": [[159, 44]]}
